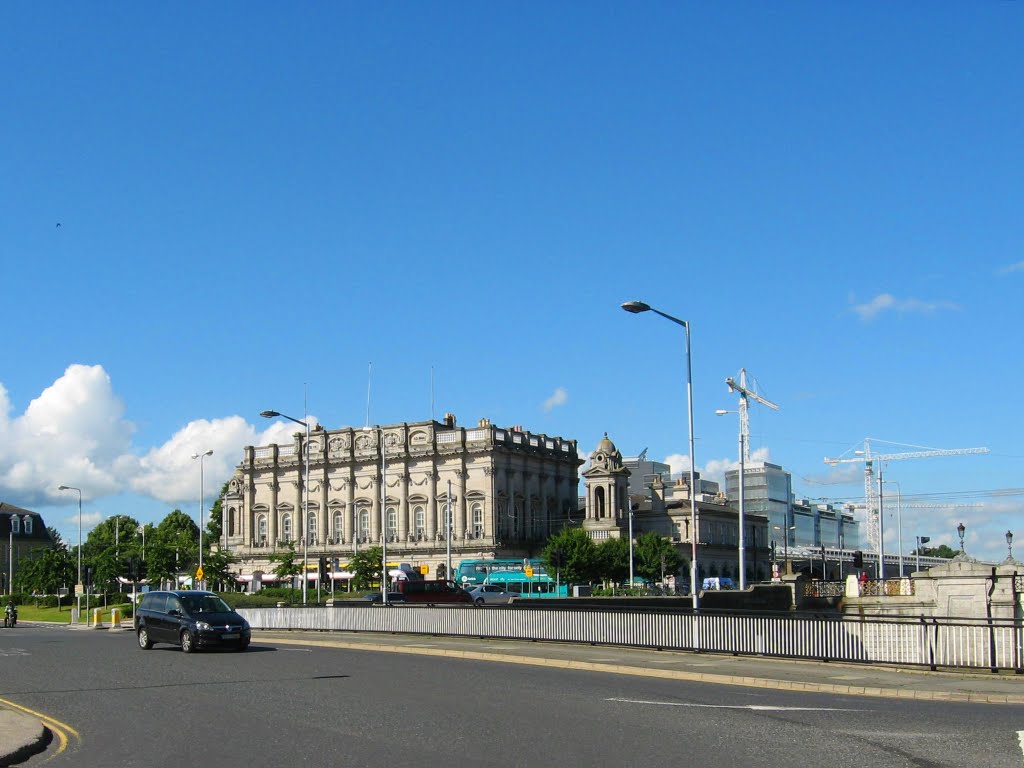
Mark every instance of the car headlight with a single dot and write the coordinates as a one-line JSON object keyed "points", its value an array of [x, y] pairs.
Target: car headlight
{"points": [[202, 626]]}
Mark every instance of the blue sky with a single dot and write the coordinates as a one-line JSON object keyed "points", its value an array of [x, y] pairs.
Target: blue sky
{"points": [[256, 202]]}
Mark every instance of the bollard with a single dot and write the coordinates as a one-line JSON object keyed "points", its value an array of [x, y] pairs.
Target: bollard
{"points": [[115, 619], [97, 618]]}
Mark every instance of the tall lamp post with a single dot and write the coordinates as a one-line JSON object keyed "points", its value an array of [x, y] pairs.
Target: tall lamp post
{"points": [[78, 587], [305, 495], [637, 307], [743, 447], [785, 542], [201, 456], [1009, 546]]}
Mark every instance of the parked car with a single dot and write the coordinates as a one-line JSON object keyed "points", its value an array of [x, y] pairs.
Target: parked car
{"points": [[491, 594], [191, 620], [393, 597], [433, 592]]}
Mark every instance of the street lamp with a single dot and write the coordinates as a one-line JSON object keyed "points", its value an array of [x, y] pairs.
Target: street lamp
{"points": [[305, 496], [785, 542], [79, 585], [742, 560], [961, 529], [1009, 545], [201, 457], [636, 307], [899, 519]]}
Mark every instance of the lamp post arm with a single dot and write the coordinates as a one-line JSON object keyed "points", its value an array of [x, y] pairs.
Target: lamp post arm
{"points": [[675, 320]]}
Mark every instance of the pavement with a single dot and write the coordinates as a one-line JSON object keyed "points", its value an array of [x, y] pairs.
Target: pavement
{"points": [[21, 734]]}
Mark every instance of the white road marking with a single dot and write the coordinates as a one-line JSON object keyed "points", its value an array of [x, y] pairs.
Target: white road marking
{"points": [[14, 652], [296, 650], [1020, 740], [754, 707]]}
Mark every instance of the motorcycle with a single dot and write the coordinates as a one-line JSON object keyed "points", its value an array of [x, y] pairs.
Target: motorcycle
{"points": [[11, 617]]}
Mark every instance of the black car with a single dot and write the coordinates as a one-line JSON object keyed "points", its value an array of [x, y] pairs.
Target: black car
{"points": [[190, 619], [393, 597]]}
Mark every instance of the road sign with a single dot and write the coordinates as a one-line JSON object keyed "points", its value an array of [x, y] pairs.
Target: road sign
{"points": [[424, 569], [199, 573], [79, 590]]}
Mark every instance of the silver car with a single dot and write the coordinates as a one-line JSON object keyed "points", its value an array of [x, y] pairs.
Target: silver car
{"points": [[491, 594]]}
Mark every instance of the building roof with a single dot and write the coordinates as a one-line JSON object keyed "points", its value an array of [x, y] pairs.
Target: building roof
{"points": [[39, 530]]}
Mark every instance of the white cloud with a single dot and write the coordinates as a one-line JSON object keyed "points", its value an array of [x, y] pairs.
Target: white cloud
{"points": [[715, 469], [885, 302], [1018, 267], [559, 397], [75, 434]]}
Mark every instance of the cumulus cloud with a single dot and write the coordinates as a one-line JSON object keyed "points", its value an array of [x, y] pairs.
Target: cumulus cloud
{"points": [[75, 433], [886, 302], [559, 397]]}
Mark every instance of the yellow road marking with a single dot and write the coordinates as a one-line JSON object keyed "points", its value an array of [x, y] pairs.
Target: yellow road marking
{"points": [[61, 730]]}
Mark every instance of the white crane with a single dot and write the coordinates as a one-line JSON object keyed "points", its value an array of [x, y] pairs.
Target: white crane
{"points": [[745, 410], [744, 455], [876, 534]]}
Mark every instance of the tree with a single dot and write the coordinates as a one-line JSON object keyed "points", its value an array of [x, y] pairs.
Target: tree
{"points": [[287, 565], [217, 568], [942, 550], [48, 572], [576, 552], [613, 560], [655, 557], [172, 547], [214, 532], [108, 547], [366, 565]]}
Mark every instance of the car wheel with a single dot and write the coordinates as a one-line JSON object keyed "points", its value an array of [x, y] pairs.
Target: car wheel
{"points": [[188, 642], [479, 601], [243, 645], [144, 642]]}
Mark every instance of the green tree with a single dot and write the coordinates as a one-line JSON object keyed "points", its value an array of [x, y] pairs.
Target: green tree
{"points": [[217, 569], [287, 563], [48, 572], [214, 532], [654, 556], [940, 551], [613, 560], [172, 547], [576, 554], [366, 565], [107, 548]]}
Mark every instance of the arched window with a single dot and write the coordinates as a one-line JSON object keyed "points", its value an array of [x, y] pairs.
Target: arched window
{"points": [[364, 524], [599, 503], [392, 517], [419, 522], [231, 521], [339, 527], [311, 527], [261, 529], [286, 528], [478, 520]]}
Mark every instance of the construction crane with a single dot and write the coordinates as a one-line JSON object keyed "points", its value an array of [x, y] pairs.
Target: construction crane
{"points": [[745, 409], [744, 455], [871, 499]]}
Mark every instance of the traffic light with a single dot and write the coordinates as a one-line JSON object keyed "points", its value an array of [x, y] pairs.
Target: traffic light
{"points": [[321, 569], [858, 559]]}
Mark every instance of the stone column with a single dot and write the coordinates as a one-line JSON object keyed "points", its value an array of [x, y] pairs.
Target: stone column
{"points": [[375, 511]]}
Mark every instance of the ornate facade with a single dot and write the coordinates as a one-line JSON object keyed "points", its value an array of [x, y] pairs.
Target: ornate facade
{"points": [[507, 491]]}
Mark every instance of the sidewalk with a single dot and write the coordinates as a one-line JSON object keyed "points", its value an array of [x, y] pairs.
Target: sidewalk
{"points": [[20, 736], [749, 671]]}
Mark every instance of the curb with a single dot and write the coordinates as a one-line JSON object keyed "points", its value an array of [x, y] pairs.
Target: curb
{"points": [[671, 674], [20, 737]]}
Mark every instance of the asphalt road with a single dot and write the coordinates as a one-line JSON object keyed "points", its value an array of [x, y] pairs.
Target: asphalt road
{"points": [[289, 705]]}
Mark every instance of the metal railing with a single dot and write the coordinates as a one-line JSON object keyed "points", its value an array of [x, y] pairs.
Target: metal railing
{"points": [[963, 643]]}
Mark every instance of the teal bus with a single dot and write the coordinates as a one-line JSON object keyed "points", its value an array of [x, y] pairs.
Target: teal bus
{"points": [[510, 574]]}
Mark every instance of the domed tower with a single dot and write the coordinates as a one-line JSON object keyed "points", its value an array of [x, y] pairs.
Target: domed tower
{"points": [[607, 487]]}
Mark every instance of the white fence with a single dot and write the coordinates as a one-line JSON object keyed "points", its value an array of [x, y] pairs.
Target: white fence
{"points": [[965, 643]]}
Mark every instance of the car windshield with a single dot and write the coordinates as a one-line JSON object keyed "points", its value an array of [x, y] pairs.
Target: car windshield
{"points": [[204, 604]]}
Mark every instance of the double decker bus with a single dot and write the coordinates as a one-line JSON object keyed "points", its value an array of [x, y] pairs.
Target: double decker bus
{"points": [[511, 575]]}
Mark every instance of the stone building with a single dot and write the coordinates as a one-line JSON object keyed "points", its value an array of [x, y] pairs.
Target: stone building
{"points": [[22, 533], [665, 509], [507, 489]]}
